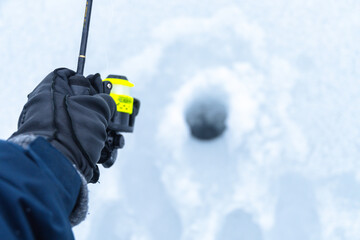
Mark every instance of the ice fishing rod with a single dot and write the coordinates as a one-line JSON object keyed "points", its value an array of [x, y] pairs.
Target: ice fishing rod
{"points": [[118, 87], [84, 38]]}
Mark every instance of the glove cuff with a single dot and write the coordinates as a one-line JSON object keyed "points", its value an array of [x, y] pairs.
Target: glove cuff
{"points": [[82, 204], [23, 140]]}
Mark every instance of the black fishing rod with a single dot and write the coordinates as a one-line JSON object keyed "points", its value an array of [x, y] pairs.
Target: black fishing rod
{"points": [[84, 38], [119, 89]]}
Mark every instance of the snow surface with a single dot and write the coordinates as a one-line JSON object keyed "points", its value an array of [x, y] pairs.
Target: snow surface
{"points": [[287, 166]]}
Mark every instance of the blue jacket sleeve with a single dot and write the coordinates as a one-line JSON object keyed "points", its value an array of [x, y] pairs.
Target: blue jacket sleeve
{"points": [[38, 191]]}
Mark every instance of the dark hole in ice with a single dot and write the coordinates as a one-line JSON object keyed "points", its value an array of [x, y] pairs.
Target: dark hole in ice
{"points": [[206, 117]]}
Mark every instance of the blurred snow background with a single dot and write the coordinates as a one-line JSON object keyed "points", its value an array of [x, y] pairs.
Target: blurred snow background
{"points": [[288, 164]]}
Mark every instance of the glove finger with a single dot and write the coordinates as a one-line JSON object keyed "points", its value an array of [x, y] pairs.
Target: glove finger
{"points": [[110, 102], [61, 82], [89, 113], [79, 85], [56, 81], [64, 73], [96, 84], [101, 106]]}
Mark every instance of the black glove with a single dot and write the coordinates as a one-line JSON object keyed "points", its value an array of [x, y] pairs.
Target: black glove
{"points": [[72, 113]]}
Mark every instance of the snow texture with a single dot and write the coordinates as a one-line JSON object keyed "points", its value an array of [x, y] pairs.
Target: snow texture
{"points": [[287, 166]]}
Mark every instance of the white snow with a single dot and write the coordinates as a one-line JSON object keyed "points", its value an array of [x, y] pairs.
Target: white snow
{"points": [[287, 166]]}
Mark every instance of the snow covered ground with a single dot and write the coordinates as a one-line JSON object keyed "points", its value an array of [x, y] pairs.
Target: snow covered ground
{"points": [[287, 166]]}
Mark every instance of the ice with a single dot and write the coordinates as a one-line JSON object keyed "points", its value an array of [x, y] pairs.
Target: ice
{"points": [[286, 167]]}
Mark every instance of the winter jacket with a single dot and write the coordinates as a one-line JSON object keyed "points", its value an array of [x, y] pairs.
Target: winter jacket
{"points": [[39, 189]]}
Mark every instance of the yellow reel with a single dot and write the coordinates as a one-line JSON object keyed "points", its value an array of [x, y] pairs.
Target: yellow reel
{"points": [[120, 92]]}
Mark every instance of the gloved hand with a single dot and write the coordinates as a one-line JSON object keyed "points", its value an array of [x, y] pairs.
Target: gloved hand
{"points": [[72, 112]]}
